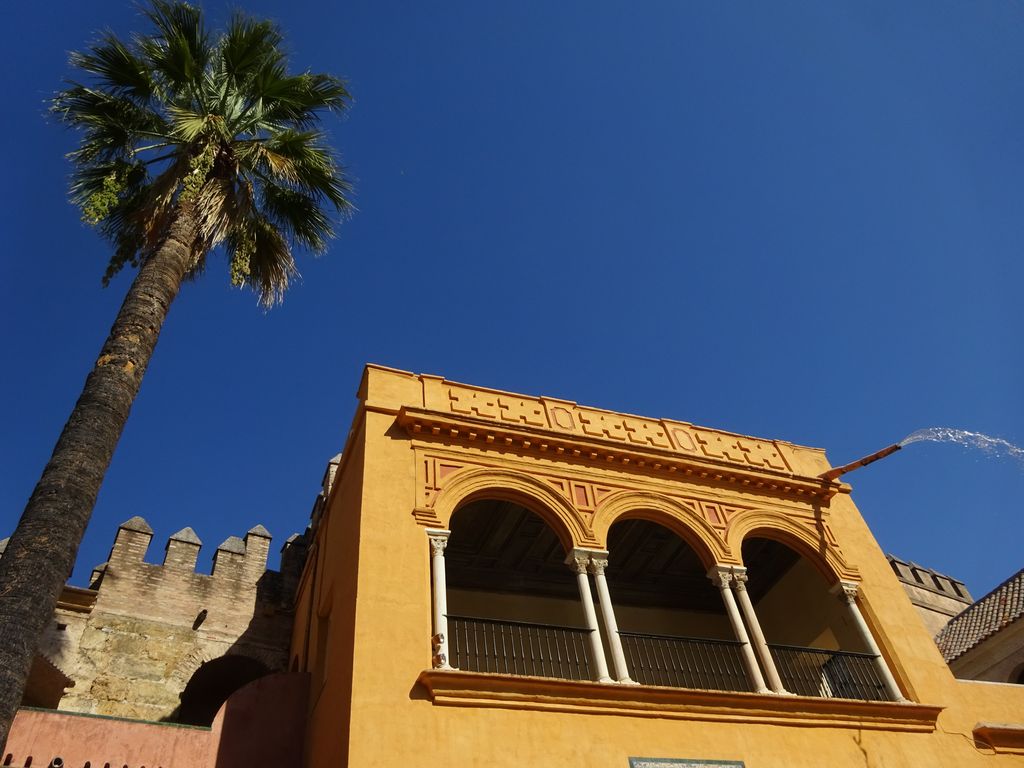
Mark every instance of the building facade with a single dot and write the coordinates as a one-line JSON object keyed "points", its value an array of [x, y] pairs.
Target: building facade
{"points": [[513, 580], [497, 579]]}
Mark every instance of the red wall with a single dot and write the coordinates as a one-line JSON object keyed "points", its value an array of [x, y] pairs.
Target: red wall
{"points": [[260, 724]]}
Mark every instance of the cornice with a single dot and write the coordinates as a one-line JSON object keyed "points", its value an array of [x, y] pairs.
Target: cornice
{"points": [[436, 426], [1002, 738], [77, 599], [476, 689]]}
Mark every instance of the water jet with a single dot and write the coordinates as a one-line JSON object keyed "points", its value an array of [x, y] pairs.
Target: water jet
{"points": [[994, 446]]}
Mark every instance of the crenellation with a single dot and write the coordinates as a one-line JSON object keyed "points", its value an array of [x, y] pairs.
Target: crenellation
{"points": [[329, 473], [133, 645], [936, 596], [293, 558], [182, 551], [96, 576], [132, 541], [257, 549], [229, 559]]}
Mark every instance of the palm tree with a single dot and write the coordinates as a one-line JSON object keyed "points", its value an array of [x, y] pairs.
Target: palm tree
{"points": [[190, 144]]}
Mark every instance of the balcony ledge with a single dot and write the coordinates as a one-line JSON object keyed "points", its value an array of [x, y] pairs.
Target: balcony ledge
{"points": [[1001, 738], [455, 688]]}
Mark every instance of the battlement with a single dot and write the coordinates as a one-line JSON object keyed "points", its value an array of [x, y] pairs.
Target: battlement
{"points": [[915, 575], [237, 558], [175, 592], [130, 643], [936, 596], [239, 587]]}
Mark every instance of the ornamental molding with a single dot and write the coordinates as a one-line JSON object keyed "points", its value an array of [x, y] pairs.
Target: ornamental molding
{"points": [[457, 688], [597, 439], [581, 510]]}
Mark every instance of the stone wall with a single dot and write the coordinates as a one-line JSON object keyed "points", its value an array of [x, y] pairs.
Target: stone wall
{"points": [[937, 597], [131, 642]]}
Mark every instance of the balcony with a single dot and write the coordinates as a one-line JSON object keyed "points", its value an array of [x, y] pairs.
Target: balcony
{"points": [[519, 648], [829, 674], [685, 662], [514, 606], [547, 650]]}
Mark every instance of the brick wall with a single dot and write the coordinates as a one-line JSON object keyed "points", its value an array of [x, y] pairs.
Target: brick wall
{"points": [[132, 652]]}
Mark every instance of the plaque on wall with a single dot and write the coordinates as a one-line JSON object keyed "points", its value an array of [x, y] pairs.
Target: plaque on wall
{"points": [[667, 762]]}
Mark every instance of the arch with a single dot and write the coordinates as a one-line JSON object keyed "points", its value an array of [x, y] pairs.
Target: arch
{"points": [[520, 488], [187, 666], [688, 525], [768, 524], [213, 683], [199, 655]]}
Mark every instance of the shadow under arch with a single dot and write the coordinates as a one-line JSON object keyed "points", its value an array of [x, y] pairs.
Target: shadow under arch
{"points": [[513, 603], [689, 526], [519, 488], [766, 524], [213, 683]]}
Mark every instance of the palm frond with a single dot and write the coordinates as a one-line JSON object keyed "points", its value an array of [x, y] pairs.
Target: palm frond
{"points": [[180, 51], [312, 166], [186, 125], [81, 105], [262, 259], [178, 120], [117, 69], [247, 46], [220, 208], [297, 100], [297, 215]]}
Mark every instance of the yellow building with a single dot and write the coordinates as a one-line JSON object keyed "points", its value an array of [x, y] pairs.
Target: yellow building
{"points": [[502, 580]]}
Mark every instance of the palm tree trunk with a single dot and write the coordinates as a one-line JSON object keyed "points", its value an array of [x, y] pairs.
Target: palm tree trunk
{"points": [[41, 553]]}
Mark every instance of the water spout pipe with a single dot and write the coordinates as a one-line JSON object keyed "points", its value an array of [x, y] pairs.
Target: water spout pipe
{"points": [[835, 472]]}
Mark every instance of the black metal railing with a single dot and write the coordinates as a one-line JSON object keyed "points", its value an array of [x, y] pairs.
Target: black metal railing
{"points": [[685, 662], [518, 648], [829, 674]]}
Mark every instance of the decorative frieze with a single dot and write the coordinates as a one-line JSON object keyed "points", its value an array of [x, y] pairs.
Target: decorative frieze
{"points": [[593, 423], [590, 503]]}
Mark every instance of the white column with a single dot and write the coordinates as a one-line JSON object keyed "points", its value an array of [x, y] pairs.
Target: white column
{"points": [[438, 541], [598, 562], [739, 582], [721, 576], [847, 591], [578, 560]]}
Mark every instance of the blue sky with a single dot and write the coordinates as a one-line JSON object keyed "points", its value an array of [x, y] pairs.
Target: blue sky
{"points": [[793, 220]]}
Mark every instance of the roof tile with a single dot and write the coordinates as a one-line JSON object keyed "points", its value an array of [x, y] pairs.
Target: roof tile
{"points": [[1000, 607]]}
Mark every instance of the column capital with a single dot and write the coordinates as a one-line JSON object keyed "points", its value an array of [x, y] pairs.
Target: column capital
{"points": [[846, 591], [578, 560], [438, 538], [598, 561], [720, 575], [739, 578]]}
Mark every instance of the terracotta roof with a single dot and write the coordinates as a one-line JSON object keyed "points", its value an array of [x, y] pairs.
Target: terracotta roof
{"points": [[999, 608]]}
